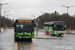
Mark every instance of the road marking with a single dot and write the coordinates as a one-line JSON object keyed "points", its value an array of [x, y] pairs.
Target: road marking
{"points": [[32, 46], [16, 46]]}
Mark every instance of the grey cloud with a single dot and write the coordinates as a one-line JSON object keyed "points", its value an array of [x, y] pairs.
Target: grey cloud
{"points": [[33, 7]]}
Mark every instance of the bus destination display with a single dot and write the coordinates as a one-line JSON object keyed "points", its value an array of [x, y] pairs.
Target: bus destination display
{"points": [[24, 21]]}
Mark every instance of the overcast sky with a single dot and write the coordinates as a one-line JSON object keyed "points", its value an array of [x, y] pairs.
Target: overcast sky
{"points": [[26, 8]]}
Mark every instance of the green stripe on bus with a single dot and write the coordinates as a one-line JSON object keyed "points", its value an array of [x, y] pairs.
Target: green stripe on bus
{"points": [[24, 33]]}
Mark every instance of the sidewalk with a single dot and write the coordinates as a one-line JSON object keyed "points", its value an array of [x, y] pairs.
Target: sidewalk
{"points": [[42, 35], [2, 30]]}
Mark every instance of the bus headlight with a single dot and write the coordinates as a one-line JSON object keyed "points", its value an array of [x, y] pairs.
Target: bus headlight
{"points": [[55, 32], [54, 25], [16, 35]]}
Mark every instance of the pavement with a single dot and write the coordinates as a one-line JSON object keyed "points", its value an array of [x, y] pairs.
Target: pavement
{"points": [[42, 35], [65, 42], [2, 31]]}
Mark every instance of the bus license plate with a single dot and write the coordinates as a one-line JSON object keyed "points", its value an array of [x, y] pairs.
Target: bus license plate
{"points": [[24, 37]]}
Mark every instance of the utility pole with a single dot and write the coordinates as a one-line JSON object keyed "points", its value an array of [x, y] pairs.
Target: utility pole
{"points": [[67, 13], [0, 14]]}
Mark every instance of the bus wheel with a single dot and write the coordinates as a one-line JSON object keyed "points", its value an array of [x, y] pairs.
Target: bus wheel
{"points": [[59, 34], [30, 39], [15, 39]]}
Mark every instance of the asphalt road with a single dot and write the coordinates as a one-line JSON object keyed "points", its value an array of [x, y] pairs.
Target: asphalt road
{"points": [[65, 42]]}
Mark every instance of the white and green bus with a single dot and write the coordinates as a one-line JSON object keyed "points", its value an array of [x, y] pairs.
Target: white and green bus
{"points": [[55, 27]]}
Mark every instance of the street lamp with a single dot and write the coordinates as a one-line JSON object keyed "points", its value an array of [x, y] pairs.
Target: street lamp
{"points": [[44, 16], [4, 20], [67, 7], [8, 15], [7, 19], [0, 13], [44, 12], [33, 16], [5, 12], [4, 4], [67, 12]]}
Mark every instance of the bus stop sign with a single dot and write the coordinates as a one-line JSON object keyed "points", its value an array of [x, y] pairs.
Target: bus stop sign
{"points": [[47, 32]]}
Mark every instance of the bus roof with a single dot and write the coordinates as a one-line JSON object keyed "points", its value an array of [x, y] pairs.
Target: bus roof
{"points": [[24, 19], [52, 22], [45, 22]]}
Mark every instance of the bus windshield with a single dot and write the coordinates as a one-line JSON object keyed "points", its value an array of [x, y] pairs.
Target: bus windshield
{"points": [[59, 27], [24, 27]]}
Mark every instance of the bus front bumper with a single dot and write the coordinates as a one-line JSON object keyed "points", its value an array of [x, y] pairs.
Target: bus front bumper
{"points": [[24, 37]]}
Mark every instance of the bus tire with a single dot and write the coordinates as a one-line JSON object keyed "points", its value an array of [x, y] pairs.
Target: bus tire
{"points": [[15, 39], [30, 39], [59, 34], [53, 34]]}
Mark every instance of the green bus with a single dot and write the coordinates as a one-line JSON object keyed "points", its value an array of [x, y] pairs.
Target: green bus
{"points": [[24, 29], [55, 27]]}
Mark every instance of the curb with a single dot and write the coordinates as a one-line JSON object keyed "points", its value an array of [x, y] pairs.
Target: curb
{"points": [[45, 37], [70, 33]]}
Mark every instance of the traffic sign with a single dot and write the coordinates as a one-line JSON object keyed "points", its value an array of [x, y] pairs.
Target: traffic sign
{"points": [[47, 32], [37, 20]]}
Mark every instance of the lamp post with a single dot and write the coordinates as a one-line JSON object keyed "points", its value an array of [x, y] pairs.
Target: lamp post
{"points": [[67, 7], [33, 16], [5, 20], [67, 13], [44, 16], [5, 13], [0, 14], [34, 21]]}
